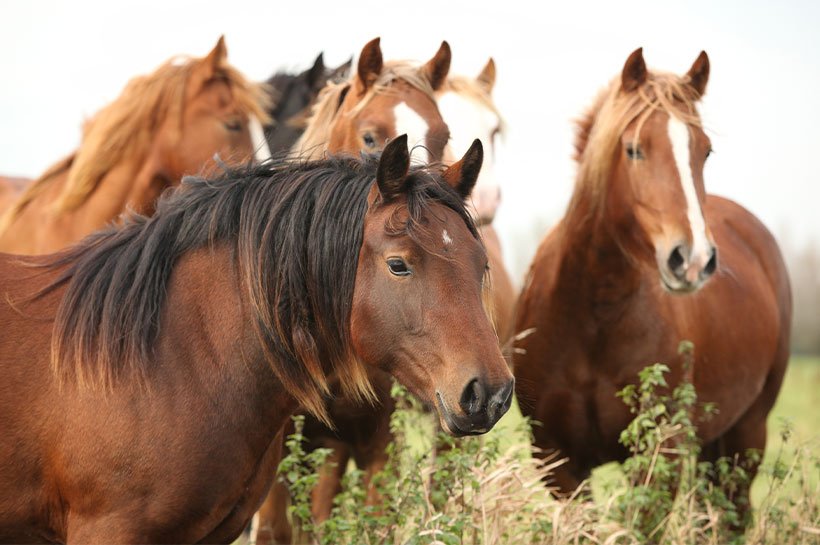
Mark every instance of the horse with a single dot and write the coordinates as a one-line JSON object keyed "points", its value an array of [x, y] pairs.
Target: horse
{"points": [[163, 125], [643, 259], [361, 115], [148, 369], [466, 104], [378, 102], [292, 97]]}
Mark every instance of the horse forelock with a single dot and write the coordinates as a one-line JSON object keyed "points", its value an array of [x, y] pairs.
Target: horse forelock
{"points": [[599, 130]]}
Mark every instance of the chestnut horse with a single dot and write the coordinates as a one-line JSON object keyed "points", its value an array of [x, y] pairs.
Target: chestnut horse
{"points": [[292, 97], [643, 259], [162, 126], [147, 370]]}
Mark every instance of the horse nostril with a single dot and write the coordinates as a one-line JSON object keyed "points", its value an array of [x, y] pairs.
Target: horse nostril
{"points": [[502, 399], [711, 265], [676, 262], [472, 398]]}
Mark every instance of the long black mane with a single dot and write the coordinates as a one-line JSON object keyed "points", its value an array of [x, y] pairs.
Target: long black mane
{"points": [[296, 230]]}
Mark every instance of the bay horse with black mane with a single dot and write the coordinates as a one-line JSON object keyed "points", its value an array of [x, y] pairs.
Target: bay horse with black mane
{"points": [[147, 370], [642, 260], [162, 126]]}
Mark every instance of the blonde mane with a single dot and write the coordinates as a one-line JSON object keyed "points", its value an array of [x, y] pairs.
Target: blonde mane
{"points": [[125, 129], [313, 142], [599, 130], [471, 89]]}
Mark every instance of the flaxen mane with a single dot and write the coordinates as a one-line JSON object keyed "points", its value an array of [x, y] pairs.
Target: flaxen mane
{"points": [[126, 127], [599, 131], [313, 142], [296, 231]]}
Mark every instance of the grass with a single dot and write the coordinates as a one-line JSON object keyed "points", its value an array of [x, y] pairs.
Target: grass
{"points": [[488, 490]]}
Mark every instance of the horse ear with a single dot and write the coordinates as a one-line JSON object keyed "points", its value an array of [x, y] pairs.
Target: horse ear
{"points": [[486, 79], [370, 63], [699, 73], [340, 73], [634, 72], [463, 174], [212, 63], [394, 164], [315, 75], [438, 67]]}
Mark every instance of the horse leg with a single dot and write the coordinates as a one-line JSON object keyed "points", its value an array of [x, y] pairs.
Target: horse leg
{"points": [[330, 480], [273, 526]]}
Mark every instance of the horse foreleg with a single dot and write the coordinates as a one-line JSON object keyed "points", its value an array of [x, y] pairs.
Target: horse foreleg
{"points": [[272, 519], [330, 480]]}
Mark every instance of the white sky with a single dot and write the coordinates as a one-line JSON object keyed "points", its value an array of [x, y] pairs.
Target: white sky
{"points": [[61, 61]]}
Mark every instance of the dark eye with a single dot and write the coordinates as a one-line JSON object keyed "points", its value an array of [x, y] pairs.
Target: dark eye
{"points": [[633, 151], [708, 153], [234, 125], [369, 141], [398, 266]]}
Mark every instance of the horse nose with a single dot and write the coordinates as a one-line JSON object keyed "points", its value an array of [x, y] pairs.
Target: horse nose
{"points": [[485, 405]]}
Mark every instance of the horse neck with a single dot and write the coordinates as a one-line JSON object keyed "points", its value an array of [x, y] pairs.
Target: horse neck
{"points": [[207, 311], [595, 261]]}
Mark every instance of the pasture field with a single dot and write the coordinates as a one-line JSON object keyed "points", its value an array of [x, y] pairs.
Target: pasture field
{"points": [[488, 490]]}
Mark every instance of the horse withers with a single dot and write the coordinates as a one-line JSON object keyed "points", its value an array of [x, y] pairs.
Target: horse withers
{"points": [[642, 260]]}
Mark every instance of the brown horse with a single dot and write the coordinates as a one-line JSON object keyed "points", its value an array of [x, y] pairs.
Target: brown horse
{"points": [[162, 126], [147, 370], [643, 259], [360, 115]]}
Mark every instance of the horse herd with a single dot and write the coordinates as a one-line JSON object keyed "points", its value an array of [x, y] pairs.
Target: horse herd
{"points": [[154, 344]]}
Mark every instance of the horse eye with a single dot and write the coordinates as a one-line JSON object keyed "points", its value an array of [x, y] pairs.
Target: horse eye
{"points": [[708, 153], [398, 266], [369, 141], [634, 152], [234, 125]]}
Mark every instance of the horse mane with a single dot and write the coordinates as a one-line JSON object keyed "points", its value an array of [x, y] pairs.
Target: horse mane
{"points": [[472, 90], [599, 130], [295, 230], [127, 126], [313, 142]]}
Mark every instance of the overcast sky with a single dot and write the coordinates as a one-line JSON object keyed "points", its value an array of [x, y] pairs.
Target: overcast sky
{"points": [[61, 61]]}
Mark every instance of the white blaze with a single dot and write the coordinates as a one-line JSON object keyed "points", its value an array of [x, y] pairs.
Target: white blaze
{"points": [[679, 137], [260, 144], [409, 122]]}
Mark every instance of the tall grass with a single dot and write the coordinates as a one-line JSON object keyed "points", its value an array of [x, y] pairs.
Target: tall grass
{"points": [[490, 489]]}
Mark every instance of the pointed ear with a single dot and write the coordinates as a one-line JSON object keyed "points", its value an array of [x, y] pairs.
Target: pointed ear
{"points": [[339, 74], [463, 174], [438, 67], [394, 164], [370, 63], [699, 74], [316, 73], [210, 65], [634, 72], [486, 79]]}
